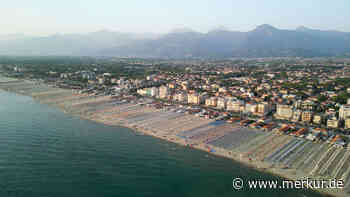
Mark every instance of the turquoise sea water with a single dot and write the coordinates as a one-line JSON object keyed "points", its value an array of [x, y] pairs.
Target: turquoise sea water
{"points": [[46, 153]]}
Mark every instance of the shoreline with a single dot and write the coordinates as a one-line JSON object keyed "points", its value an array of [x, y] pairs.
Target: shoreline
{"points": [[240, 157], [246, 163], [222, 153]]}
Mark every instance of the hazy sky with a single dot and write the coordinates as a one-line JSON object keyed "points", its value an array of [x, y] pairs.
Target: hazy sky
{"points": [[44, 17]]}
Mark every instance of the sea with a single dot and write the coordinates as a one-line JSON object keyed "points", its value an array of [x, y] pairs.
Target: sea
{"points": [[47, 153]]}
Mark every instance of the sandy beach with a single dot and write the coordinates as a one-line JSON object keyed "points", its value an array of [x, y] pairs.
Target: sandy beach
{"points": [[290, 157]]}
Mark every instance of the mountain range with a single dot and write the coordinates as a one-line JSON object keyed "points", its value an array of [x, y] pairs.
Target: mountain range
{"points": [[264, 41]]}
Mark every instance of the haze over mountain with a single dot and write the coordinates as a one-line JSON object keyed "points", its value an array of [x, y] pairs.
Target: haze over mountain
{"points": [[264, 41], [13, 36], [67, 44]]}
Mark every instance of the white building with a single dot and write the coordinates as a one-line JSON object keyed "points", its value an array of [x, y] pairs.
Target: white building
{"points": [[284, 111], [211, 102], [262, 109], [296, 115], [221, 103], [250, 108], [234, 105], [181, 97], [344, 112], [195, 98], [154, 92], [332, 123], [163, 92]]}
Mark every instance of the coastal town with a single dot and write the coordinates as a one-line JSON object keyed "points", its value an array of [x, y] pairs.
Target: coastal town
{"points": [[175, 98], [289, 116]]}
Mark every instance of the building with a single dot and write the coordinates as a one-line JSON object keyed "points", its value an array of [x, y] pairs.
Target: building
{"points": [[147, 91], [296, 115], [333, 123], [234, 105], [306, 116], [101, 80], [222, 89], [221, 103], [149, 77], [163, 92], [344, 112], [297, 104], [17, 69], [172, 85], [347, 123], [64, 75], [307, 105], [180, 97], [211, 102], [317, 119], [154, 92], [195, 98], [142, 91], [250, 108], [185, 85], [121, 81], [113, 80], [262, 109], [88, 75], [284, 111], [137, 82]]}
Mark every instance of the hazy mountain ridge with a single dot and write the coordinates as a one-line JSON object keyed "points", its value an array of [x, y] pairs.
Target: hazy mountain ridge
{"points": [[263, 41], [68, 44]]}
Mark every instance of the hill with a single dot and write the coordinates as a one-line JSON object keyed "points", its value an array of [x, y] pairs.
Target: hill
{"points": [[264, 41]]}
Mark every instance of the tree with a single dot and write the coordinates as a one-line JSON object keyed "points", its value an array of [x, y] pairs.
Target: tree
{"points": [[342, 98], [322, 98]]}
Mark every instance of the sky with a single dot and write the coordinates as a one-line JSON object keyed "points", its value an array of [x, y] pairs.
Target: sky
{"points": [[44, 17]]}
